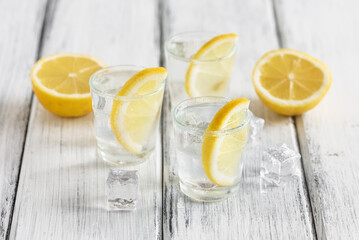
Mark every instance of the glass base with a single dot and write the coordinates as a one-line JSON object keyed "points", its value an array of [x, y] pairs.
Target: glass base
{"points": [[212, 194], [123, 159]]}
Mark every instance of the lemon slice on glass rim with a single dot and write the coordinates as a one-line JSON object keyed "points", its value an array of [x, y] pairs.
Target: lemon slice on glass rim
{"points": [[224, 141], [211, 67], [137, 107]]}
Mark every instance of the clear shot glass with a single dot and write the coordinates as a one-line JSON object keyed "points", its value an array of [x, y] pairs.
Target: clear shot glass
{"points": [[191, 118], [180, 50], [132, 149]]}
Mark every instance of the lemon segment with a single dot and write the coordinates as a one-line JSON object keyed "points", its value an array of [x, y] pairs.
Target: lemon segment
{"points": [[290, 82], [211, 67], [221, 152], [137, 107], [61, 82]]}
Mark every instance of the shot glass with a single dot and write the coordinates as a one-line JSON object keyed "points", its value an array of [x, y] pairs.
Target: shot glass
{"points": [[180, 50], [191, 118], [104, 85]]}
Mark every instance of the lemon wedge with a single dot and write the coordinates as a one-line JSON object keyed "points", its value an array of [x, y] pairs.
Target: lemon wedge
{"points": [[211, 67], [221, 152], [290, 82], [134, 118], [61, 82]]}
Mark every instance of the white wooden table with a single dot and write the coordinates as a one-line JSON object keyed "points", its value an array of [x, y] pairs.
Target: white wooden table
{"points": [[52, 185]]}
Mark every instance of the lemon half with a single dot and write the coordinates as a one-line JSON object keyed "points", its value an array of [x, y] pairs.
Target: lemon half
{"points": [[61, 82], [290, 82]]}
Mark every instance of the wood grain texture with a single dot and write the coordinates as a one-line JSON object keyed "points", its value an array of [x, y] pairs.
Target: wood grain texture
{"points": [[281, 213], [20, 29], [329, 134], [61, 193]]}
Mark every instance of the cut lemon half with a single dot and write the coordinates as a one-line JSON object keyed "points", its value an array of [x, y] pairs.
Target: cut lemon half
{"points": [[221, 149], [136, 108], [211, 67], [61, 82], [290, 82]]}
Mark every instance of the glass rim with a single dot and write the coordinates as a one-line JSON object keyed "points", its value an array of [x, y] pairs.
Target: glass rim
{"points": [[177, 109], [166, 46], [120, 67]]}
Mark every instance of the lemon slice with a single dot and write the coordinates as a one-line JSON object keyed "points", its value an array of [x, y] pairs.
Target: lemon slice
{"points": [[221, 152], [134, 120], [61, 82], [210, 69], [290, 82]]}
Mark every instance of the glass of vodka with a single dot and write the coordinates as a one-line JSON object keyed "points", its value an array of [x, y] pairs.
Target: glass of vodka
{"points": [[181, 48], [191, 118], [104, 85]]}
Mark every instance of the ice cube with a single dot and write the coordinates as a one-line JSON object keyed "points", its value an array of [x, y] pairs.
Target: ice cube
{"points": [[255, 130], [203, 125], [190, 119], [178, 47], [197, 137], [279, 164], [122, 189], [101, 103]]}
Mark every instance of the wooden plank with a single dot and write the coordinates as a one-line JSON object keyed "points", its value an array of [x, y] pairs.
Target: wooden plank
{"points": [[329, 134], [62, 185], [20, 27], [281, 213]]}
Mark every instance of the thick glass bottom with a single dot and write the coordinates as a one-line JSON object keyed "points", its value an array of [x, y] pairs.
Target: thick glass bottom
{"points": [[207, 194], [123, 159]]}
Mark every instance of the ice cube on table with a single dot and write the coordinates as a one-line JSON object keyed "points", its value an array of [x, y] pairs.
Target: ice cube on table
{"points": [[255, 130], [279, 164], [122, 189]]}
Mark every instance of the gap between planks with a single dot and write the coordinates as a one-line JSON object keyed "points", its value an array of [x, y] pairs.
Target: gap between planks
{"points": [[294, 120]]}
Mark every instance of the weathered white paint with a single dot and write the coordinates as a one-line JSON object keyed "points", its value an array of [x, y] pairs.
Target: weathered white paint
{"points": [[61, 193], [329, 134], [20, 29], [281, 213], [61, 188]]}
